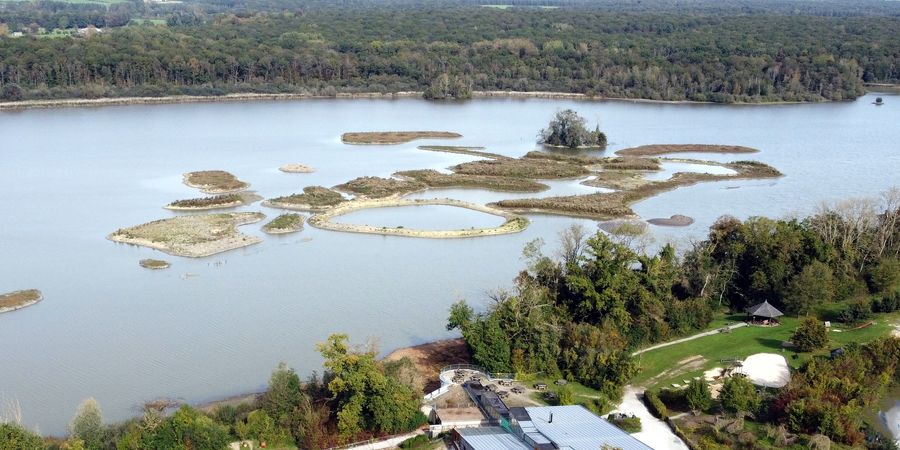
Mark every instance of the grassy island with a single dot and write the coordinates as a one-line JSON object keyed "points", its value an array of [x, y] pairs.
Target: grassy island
{"points": [[214, 202], [664, 149], [631, 187], [285, 223], [19, 299], [394, 137], [471, 151], [526, 167], [154, 264], [313, 198], [214, 181], [192, 236], [376, 187], [435, 179]]}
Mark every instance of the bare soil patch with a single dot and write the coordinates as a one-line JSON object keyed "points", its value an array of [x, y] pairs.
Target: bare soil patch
{"points": [[19, 299], [192, 236], [663, 149], [394, 137], [430, 358], [214, 181]]}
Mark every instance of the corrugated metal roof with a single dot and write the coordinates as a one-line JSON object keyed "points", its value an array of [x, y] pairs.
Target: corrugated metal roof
{"points": [[491, 438], [575, 427]]}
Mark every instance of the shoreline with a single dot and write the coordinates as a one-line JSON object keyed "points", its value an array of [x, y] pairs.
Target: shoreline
{"points": [[513, 223], [249, 97]]}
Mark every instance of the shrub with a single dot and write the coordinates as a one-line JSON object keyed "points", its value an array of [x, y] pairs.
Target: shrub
{"points": [[810, 335], [15, 437], [655, 405], [888, 303], [739, 395], [630, 424], [418, 442], [857, 311], [697, 395]]}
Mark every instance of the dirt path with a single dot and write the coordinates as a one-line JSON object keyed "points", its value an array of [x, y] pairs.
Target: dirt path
{"points": [[689, 338]]}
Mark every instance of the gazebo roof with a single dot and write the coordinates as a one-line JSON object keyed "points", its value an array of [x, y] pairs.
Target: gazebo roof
{"points": [[764, 309]]}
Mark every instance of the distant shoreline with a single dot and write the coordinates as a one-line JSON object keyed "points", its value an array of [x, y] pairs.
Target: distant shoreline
{"points": [[249, 97]]}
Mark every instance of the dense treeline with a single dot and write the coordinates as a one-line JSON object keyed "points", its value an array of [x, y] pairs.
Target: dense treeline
{"points": [[667, 55], [580, 316], [357, 397]]}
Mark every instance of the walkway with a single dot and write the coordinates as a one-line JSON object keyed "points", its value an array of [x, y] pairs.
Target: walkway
{"points": [[691, 338]]}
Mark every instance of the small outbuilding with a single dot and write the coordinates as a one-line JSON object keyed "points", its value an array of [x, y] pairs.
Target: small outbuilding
{"points": [[764, 313]]}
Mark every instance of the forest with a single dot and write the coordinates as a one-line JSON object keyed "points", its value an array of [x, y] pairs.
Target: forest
{"points": [[581, 314], [719, 52]]}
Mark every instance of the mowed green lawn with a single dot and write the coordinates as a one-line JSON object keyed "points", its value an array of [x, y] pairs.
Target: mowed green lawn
{"points": [[739, 344]]}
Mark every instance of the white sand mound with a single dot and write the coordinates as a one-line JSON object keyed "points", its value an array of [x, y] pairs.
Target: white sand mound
{"points": [[767, 369]]}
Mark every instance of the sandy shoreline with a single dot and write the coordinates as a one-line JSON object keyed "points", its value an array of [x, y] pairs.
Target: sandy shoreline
{"points": [[513, 224], [247, 97]]}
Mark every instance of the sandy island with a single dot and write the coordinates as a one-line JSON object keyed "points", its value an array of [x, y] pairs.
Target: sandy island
{"points": [[214, 181], [393, 137], [296, 168], [192, 236], [675, 220], [19, 299], [513, 224]]}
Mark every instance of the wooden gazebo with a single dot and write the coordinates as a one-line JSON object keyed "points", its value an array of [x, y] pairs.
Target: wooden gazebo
{"points": [[765, 313]]}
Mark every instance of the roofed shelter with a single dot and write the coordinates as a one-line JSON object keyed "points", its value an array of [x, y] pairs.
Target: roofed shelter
{"points": [[765, 313]]}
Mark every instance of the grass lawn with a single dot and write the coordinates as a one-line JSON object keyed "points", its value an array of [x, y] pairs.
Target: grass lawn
{"points": [[739, 344], [582, 393]]}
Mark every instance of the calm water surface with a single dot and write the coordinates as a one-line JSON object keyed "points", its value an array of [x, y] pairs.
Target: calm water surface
{"points": [[425, 217], [213, 327]]}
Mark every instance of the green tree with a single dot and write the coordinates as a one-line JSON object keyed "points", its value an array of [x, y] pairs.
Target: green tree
{"points": [[565, 395], [697, 395], [366, 399], [567, 129], [87, 425], [813, 286], [810, 335], [15, 437], [739, 395], [261, 427], [283, 395], [187, 429]]}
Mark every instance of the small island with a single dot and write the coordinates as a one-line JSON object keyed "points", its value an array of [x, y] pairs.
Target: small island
{"points": [[376, 187], [215, 202], [296, 168], [675, 220], [664, 149], [313, 198], [215, 182], [568, 130], [285, 223], [154, 264], [192, 236], [19, 299], [393, 137]]}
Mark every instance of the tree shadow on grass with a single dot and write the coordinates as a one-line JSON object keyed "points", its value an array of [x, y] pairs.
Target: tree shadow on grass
{"points": [[774, 344]]}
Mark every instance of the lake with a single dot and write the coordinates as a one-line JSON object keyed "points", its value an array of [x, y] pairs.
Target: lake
{"points": [[213, 327]]}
